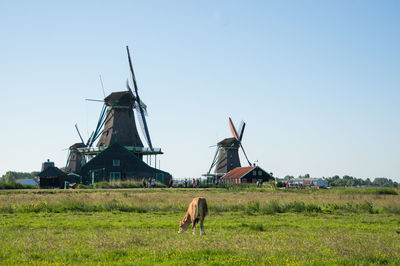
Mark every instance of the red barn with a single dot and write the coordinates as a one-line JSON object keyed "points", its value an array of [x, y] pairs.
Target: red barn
{"points": [[249, 174]]}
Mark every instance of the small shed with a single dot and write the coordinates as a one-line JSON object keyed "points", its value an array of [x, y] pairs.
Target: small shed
{"points": [[249, 174], [52, 177]]}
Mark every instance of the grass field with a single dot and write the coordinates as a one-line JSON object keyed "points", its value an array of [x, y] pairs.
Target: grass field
{"points": [[139, 226]]}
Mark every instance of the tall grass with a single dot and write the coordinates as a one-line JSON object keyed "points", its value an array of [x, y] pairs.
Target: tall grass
{"points": [[250, 208], [177, 200]]}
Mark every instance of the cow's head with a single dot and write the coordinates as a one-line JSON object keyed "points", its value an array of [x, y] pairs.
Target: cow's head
{"points": [[183, 224]]}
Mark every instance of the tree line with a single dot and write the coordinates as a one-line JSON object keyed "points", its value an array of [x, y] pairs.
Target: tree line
{"points": [[11, 176], [334, 181], [350, 181]]}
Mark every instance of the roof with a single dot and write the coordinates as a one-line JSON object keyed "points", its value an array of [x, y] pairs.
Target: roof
{"points": [[27, 181], [77, 145], [117, 144], [73, 174], [51, 171], [238, 172], [122, 98], [228, 142]]}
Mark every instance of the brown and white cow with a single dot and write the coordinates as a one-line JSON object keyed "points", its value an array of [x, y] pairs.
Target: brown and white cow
{"points": [[196, 212]]}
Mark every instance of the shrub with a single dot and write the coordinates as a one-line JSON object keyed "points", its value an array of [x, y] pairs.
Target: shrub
{"points": [[14, 185], [313, 208], [330, 208], [272, 207], [102, 184], [124, 184], [393, 208], [82, 186], [386, 191], [257, 227], [252, 207], [367, 206], [296, 206]]}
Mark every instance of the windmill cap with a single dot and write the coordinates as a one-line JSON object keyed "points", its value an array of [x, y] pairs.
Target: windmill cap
{"points": [[228, 142], [122, 98], [77, 145]]}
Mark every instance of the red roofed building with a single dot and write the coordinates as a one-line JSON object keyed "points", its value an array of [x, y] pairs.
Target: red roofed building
{"points": [[249, 174]]}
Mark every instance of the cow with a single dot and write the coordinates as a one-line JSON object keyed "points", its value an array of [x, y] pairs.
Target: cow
{"points": [[196, 212]]}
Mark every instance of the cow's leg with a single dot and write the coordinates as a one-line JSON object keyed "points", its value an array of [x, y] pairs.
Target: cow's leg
{"points": [[194, 226], [202, 227]]}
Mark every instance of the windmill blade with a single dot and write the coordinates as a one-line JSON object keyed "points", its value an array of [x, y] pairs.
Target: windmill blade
{"points": [[214, 161], [143, 106], [129, 87], [245, 155], [76, 126], [143, 125], [241, 130], [233, 129], [135, 104], [141, 114], [132, 72], [89, 143], [94, 100], [102, 86], [141, 118]]}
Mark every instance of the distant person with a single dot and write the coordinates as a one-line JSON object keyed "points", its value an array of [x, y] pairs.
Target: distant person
{"points": [[193, 183], [144, 182], [216, 182], [197, 183], [170, 184], [258, 183], [262, 183], [153, 182], [149, 182], [185, 182]]}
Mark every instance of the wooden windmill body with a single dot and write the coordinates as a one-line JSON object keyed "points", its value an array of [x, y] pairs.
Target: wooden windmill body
{"points": [[120, 126], [228, 155]]}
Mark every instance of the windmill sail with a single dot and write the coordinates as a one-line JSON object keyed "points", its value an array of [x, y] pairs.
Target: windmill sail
{"points": [[136, 104], [241, 130], [141, 113], [233, 129], [79, 133], [239, 136]]}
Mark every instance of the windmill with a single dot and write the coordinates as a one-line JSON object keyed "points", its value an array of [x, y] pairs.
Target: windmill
{"points": [[74, 161], [226, 156], [117, 123]]}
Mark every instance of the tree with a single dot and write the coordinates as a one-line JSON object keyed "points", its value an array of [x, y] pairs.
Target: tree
{"points": [[382, 182], [12, 176], [289, 177], [350, 182], [9, 177]]}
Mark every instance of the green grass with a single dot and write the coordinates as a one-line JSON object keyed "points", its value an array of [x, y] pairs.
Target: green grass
{"points": [[244, 227], [232, 238]]}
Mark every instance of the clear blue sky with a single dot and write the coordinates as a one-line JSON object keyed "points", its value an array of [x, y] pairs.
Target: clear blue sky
{"points": [[318, 82]]}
